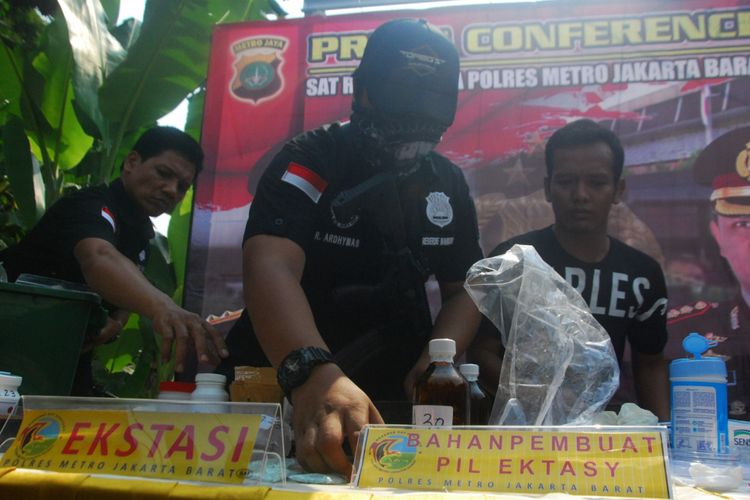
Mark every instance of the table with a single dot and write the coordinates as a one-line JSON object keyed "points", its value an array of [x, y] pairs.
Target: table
{"points": [[30, 484]]}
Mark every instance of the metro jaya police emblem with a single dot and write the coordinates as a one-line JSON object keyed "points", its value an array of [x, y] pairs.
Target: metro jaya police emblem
{"points": [[257, 65], [439, 210]]}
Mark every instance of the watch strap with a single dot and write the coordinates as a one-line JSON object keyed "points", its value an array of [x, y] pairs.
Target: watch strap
{"points": [[297, 366]]}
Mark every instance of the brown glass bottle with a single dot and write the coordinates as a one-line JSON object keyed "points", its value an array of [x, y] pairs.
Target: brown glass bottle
{"points": [[441, 394], [479, 401]]}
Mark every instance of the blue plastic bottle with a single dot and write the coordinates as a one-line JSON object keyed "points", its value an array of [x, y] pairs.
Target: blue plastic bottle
{"points": [[698, 397]]}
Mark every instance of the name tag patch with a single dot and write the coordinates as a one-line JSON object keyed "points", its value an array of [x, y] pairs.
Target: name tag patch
{"points": [[437, 241]]}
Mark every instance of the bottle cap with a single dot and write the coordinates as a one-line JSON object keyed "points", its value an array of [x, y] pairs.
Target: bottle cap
{"points": [[215, 378], [442, 347], [469, 370], [10, 380], [696, 344], [697, 366], [176, 387]]}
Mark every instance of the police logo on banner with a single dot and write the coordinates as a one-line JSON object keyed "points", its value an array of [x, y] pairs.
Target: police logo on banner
{"points": [[257, 64], [439, 210]]}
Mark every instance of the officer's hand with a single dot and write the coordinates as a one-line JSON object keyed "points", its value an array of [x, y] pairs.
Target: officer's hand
{"points": [[181, 327], [329, 408]]}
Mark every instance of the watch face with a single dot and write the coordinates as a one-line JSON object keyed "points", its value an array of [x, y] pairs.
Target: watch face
{"points": [[296, 367], [296, 370]]}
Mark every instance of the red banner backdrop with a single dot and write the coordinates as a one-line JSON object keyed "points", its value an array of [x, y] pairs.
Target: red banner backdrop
{"points": [[666, 76]]}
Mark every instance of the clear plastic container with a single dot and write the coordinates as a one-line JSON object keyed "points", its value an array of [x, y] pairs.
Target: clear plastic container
{"points": [[9, 394], [712, 471]]}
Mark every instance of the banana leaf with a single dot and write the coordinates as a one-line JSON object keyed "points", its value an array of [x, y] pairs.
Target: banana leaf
{"points": [[177, 235], [111, 11], [194, 120], [96, 52], [66, 141], [168, 61], [178, 232], [23, 172], [10, 81]]}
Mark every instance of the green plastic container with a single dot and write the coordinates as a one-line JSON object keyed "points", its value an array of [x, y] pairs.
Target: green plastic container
{"points": [[41, 334]]}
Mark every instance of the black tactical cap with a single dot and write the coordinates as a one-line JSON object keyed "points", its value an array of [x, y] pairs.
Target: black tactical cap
{"points": [[410, 68], [725, 166]]}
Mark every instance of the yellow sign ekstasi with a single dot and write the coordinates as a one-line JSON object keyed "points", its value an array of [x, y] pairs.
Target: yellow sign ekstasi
{"points": [[201, 447], [612, 463]]}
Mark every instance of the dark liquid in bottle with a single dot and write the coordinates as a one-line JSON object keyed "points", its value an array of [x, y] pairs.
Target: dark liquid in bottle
{"points": [[480, 404], [442, 385]]}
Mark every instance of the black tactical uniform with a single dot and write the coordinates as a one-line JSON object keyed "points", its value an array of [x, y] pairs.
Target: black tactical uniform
{"points": [[104, 212], [363, 288]]}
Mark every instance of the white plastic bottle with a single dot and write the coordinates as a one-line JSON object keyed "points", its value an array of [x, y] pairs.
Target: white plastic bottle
{"points": [[9, 394], [210, 387], [698, 397]]}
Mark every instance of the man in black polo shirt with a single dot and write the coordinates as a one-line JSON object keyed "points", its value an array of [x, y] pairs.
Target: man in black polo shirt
{"points": [[100, 236], [347, 224]]}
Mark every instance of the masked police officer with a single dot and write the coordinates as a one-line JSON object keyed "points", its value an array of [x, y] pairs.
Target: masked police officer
{"points": [[725, 166], [347, 224]]}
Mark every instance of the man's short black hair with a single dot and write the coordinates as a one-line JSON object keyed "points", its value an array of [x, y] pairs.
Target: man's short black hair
{"points": [[583, 133], [157, 140]]}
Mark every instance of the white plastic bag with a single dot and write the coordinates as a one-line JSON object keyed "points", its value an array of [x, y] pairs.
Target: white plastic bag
{"points": [[559, 366]]}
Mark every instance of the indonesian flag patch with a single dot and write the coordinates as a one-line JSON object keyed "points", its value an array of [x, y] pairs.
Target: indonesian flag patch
{"points": [[109, 217], [305, 180]]}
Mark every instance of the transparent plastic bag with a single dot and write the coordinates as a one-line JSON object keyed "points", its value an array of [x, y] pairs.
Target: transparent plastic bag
{"points": [[559, 366]]}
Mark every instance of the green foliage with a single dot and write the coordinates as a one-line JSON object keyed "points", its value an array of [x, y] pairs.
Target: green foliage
{"points": [[84, 96], [10, 227], [20, 26], [27, 180], [39, 98], [75, 92]]}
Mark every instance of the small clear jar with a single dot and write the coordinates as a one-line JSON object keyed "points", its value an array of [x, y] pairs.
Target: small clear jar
{"points": [[9, 395]]}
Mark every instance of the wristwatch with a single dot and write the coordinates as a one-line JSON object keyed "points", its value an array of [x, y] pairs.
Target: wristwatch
{"points": [[296, 367]]}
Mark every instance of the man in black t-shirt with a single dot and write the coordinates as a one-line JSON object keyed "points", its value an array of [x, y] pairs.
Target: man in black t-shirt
{"points": [[623, 287], [99, 236], [347, 223]]}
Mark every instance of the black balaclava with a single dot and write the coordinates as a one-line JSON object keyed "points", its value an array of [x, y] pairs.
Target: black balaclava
{"points": [[409, 75]]}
